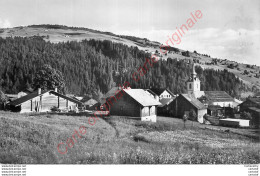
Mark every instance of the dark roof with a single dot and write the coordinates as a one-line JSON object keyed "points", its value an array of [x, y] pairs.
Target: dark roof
{"points": [[35, 94], [214, 107], [150, 91], [254, 109], [111, 92], [74, 100], [25, 98], [166, 101], [255, 100], [160, 91], [218, 96], [194, 101]]}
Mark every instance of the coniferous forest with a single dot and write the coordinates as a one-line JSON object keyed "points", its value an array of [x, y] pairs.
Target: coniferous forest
{"points": [[93, 67]]}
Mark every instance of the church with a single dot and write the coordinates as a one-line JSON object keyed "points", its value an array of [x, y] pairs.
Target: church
{"points": [[209, 98], [199, 101]]}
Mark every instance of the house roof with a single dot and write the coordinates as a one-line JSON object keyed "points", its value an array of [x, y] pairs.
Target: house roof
{"points": [[218, 96], [160, 91], [25, 98], [214, 107], [141, 97], [150, 91], [74, 100], [165, 101], [194, 101], [255, 100], [254, 109], [111, 92], [90, 101], [35, 94]]}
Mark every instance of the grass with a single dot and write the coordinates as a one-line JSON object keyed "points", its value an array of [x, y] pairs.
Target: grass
{"points": [[28, 139]]}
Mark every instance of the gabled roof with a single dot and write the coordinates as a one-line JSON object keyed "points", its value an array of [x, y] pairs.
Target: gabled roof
{"points": [[111, 92], [65, 97], [90, 101], [255, 100], [26, 98], [214, 107], [151, 92], [35, 94], [141, 97], [255, 109], [218, 96], [194, 101], [160, 91], [166, 101]]}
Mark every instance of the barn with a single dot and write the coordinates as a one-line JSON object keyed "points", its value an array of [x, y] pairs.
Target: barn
{"points": [[250, 102], [186, 102], [134, 103], [43, 101]]}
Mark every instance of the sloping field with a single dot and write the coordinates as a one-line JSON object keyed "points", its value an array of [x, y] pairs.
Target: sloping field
{"points": [[119, 140]]}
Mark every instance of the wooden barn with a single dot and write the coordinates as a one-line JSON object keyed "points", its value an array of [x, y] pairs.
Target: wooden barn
{"points": [[249, 103], [184, 103], [43, 101], [255, 112], [164, 108], [134, 103]]}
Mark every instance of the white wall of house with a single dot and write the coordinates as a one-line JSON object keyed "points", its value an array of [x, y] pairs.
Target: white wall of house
{"points": [[200, 114], [224, 104]]}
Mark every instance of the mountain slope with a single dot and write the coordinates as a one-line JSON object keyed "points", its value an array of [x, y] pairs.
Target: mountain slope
{"points": [[249, 74]]}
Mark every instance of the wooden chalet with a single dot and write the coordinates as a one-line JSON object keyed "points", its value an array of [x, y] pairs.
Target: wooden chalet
{"points": [[134, 103], [186, 102], [43, 101]]}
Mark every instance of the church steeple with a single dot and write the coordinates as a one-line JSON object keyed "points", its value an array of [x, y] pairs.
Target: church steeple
{"points": [[193, 84]]}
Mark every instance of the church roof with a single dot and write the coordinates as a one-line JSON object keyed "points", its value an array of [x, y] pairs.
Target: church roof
{"points": [[218, 96]]}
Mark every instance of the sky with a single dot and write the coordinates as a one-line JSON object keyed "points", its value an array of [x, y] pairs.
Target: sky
{"points": [[228, 29]]}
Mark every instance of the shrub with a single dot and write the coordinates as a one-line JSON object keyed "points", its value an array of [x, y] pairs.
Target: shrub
{"points": [[55, 109]]}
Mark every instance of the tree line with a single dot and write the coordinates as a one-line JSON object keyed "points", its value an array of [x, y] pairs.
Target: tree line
{"points": [[93, 67]]}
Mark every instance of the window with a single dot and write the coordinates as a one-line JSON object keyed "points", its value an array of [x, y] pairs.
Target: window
{"points": [[190, 86]]}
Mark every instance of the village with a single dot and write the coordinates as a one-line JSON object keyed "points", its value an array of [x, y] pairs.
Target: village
{"points": [[205, 107]]}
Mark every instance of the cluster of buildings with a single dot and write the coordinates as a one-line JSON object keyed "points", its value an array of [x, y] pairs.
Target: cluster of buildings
{"points": [[145, 104]]}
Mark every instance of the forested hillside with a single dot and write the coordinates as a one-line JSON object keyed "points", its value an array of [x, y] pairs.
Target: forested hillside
{"points": [[92, 67]]}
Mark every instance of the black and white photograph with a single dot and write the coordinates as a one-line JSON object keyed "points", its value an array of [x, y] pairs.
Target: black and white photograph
{"points": [[138, 83]]}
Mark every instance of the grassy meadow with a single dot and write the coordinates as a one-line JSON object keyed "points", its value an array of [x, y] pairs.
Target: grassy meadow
{"points": [[33, 139]]}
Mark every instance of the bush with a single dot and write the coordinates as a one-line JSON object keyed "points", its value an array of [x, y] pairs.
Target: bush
{"points": [[55, 109]]}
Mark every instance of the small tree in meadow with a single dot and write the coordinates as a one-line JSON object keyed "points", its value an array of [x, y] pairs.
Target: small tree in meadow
{"points": [[184, 118], [192, 116]]}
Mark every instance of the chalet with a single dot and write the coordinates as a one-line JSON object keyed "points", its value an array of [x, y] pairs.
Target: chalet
{"points": [[134, 103], [215, 110], [163, 93], [250, 102], [252, 105], [255, 112], [164, 108], [91, 104], [43, 101], [184, 103]]}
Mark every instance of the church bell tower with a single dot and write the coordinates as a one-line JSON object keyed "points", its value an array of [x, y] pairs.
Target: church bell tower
{"points": [[193, 84]]}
